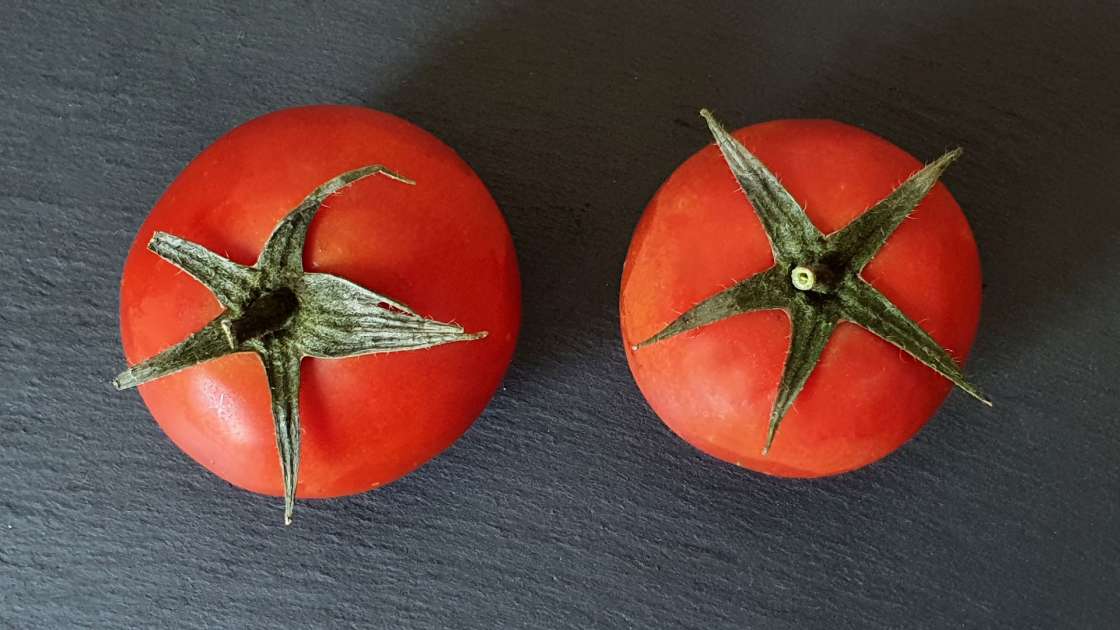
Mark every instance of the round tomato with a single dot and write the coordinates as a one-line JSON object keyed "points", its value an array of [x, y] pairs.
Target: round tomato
{"points": [[716, 385], [441, 247]]}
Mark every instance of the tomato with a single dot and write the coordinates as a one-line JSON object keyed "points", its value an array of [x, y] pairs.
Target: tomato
{"points": [[715, 386], [441, 247]]}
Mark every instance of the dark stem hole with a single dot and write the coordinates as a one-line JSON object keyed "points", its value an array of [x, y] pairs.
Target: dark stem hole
{"points": [[267, 313]]}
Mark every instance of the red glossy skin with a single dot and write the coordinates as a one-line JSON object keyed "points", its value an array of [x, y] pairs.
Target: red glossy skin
{"points": [[715, 386], [442, 247]]}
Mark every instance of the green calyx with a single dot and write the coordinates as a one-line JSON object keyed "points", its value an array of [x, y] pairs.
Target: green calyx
{"points": [[281, 313], [816, 278]]}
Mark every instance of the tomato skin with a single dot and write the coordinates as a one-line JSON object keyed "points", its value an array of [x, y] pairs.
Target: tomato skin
{"points": [[715, 386], [441, 247]]}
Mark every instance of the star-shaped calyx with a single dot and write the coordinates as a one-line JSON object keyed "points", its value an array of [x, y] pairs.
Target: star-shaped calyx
{"points": [[283, 314], [816, 278]]}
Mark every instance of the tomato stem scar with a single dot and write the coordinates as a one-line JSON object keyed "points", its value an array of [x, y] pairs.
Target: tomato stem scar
{"points": [[803, 278]]}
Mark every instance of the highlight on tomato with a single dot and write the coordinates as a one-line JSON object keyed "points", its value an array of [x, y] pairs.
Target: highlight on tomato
{"points": [[800, 297], [322, 301]]}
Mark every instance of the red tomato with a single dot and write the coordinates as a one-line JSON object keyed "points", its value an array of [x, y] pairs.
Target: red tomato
{"points": [[441, 247], [715, 386]]}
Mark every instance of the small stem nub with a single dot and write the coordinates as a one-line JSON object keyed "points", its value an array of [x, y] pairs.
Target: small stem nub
{"points": [[803, 278]]}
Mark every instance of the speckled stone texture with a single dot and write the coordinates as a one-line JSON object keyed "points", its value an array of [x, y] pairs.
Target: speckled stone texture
{"points": [[569, 505]]}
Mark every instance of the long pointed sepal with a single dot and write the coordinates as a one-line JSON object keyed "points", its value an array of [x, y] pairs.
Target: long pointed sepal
{"points": [[282, 256], [338, 319], [792, 234], [810, 330], [861, 239], [282, 364], [767, 290], [864, 305], [232, 284], [209, 343]]}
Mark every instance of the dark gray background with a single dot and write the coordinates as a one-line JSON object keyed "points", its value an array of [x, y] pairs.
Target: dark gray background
{"points": [[569, 504]]}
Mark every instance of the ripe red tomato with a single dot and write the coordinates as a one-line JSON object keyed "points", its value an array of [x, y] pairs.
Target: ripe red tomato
{"points": [[441, 247], [715, 386]]}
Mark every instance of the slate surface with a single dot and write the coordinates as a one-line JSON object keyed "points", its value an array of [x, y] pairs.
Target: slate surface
{"points": [[569, 505]]}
